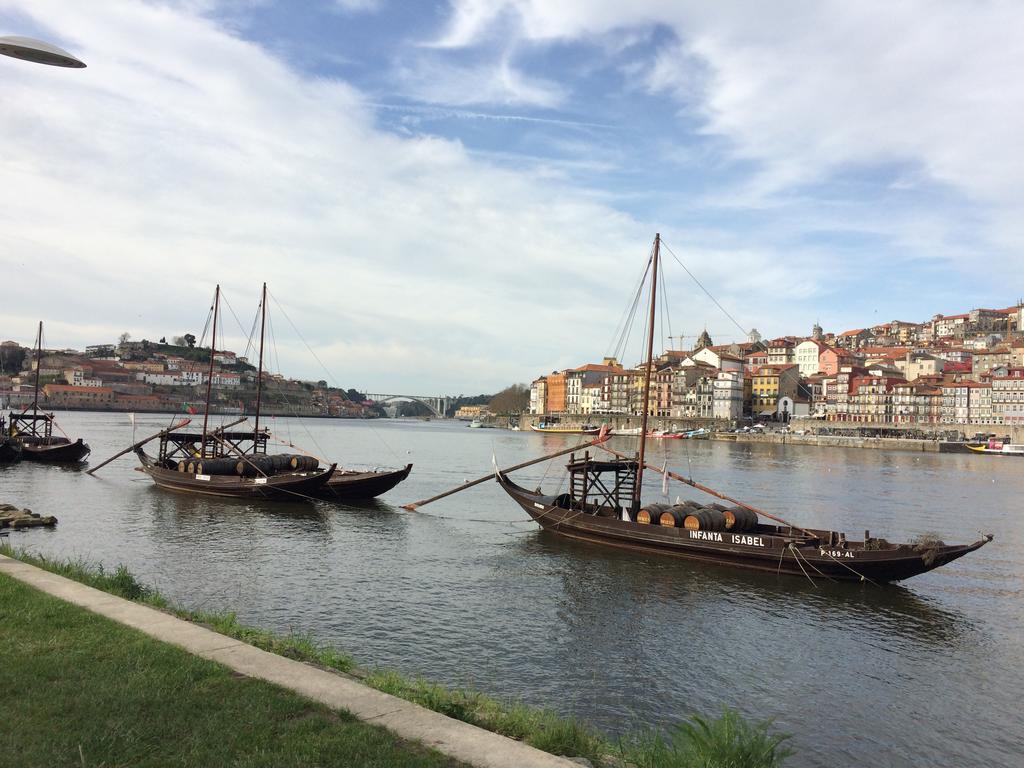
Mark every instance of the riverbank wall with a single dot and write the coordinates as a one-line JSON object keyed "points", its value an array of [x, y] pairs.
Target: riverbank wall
{"points": [[935, 438], [843, 441]]}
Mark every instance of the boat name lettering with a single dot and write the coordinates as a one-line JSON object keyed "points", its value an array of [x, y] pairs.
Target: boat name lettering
{"points": [[260, 481], [202, 477], [753, 541], [836, 553], [538, 506], [706, 535]]}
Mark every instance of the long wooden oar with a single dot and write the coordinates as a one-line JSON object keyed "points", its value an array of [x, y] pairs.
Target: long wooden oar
{"points": [[713, 492], [469, 484], [161, 433]]}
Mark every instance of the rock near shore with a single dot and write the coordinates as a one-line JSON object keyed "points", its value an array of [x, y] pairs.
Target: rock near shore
{"points": [[15, 518]]}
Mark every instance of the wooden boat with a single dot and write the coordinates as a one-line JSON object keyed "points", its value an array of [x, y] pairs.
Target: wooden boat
{"points": [[354, 484], [996, 447], [10, 447], [558, 429], [590, 513], [33, 429], [221, 463], [603, 506]]}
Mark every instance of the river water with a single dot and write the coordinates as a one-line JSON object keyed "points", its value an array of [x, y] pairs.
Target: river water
{"points": [[469, 593]]}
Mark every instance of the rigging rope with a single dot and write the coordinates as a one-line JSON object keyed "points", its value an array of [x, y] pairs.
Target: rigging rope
{"points": [[706, 291]]}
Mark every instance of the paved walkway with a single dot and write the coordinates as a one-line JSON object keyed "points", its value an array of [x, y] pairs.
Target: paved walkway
{"points": [[409, 721]]}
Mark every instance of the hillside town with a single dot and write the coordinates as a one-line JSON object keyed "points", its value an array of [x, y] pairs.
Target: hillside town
{"points": [[160, 377], [953, 369]]}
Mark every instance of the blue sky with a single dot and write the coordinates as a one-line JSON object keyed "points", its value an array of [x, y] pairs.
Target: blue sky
{"points": [[452, 196]]}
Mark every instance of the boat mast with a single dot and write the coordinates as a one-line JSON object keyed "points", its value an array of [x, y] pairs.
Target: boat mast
{"points": [[39, 363], [647, 374], [259, 373], [209, 378]]}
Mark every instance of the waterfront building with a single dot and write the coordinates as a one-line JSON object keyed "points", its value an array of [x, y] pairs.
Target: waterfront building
{"points": [[832, 359], [914, 366], [577, 378], [986, 360], [853, 339], [728, 395], [770, 382], [555, 393], [538, 396], [806, 355], [1008, 397], [780, 352], [979, 405], [693, 391], [70, 396]]}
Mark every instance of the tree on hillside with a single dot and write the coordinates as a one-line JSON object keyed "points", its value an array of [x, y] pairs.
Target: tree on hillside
{"points": [[190, 339], [354, 395], [178, 341], [513, 399], [12, 358], [124, 338]]}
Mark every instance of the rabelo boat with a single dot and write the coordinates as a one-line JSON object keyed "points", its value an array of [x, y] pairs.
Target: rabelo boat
{"points": [[603, 506], [32, 429]]}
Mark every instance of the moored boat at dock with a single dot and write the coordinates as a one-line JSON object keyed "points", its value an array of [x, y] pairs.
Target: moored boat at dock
{"points": [[995, 447], [31, 430], [603, 506], [556, 428]]}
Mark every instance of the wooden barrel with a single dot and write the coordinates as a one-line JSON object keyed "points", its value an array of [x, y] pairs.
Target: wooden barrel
{"points": [[650, 513], [191, 467], [216, 467], [303, 463], [182, 465], [705, 519], [673, 516], [739, 519]]}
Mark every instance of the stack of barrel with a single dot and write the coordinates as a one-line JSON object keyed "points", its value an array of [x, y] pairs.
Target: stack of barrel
{"points": [[693, 516], [251, 466]]}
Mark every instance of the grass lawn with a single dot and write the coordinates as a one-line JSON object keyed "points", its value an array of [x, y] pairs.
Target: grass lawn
{"points": [[79, 690]]}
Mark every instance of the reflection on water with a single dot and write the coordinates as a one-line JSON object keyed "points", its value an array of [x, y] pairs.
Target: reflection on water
{"points": [[468, 592]]}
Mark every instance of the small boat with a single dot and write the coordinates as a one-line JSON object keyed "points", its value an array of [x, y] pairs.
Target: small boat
{"points": [[33, 429], [996, 447], [217, 462], [559, 429], [475, 424], [625, 431], [603, 506]]}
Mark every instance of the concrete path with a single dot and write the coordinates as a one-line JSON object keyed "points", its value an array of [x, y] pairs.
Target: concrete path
{"points": [[409, 721]]}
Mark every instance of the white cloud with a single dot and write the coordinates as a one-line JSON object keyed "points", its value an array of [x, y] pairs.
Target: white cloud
{"points": [[808, 91], [184, 156], [492, 82]]}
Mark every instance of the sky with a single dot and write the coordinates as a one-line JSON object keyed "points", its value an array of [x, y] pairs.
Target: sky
{"points": [[450, 197]]}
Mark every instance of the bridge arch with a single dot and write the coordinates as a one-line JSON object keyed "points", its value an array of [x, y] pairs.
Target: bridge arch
{"points": [[436, 405]]}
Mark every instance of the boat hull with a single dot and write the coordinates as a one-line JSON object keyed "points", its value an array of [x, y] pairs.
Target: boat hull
{"points": [[361, 485], [767, 549], [56, 452], [1015, 450], [290, 486], [566, 430], [10, 451]]}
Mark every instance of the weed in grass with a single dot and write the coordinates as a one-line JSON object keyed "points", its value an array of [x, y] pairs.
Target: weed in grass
{"points": [[728, 741]]}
